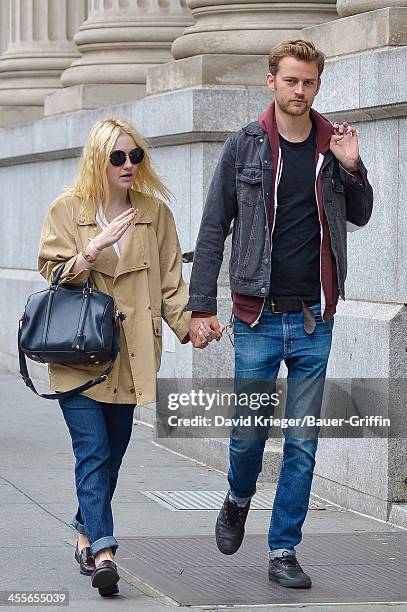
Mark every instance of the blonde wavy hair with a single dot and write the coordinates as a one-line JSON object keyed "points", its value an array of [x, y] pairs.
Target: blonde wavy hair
{"points": [[92, 186], [303, 50]]}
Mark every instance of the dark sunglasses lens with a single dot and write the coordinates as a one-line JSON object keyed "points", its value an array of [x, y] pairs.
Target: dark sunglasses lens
{"points": [[117, 158], [136, 156]]}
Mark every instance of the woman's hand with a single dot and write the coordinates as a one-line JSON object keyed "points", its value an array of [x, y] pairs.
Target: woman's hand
{"points": [[202, 331], [115, 230]]}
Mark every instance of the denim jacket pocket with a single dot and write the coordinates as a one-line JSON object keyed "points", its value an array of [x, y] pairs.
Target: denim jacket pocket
{"points": [[249, 186]]}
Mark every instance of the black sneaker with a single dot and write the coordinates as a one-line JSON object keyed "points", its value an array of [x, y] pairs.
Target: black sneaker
{"points": [[229, 528], [288, 572]]}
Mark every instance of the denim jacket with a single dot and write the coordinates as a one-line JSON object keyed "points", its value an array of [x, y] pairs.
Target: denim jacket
{"points": [[240, 192]]}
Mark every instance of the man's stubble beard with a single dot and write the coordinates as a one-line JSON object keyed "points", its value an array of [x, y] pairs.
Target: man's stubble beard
{"points": [[295, 111]]}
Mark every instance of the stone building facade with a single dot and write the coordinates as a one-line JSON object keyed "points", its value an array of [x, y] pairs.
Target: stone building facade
{"points": [[187, 73]]}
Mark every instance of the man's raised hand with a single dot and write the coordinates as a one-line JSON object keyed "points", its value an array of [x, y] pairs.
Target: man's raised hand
{"points": [[345, 146]]}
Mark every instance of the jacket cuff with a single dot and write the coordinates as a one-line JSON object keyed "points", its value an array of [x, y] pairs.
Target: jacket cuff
{"points": [[77, 279], [199, 315], [68, 276], [357, 176], [202, 303], [182, 329]]}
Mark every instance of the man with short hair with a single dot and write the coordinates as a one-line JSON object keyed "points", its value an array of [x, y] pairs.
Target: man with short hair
{"points": [[290, 182]]}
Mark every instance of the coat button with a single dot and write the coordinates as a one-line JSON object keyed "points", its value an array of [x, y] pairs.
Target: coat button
{"points": [[114, 390], [132, 390], [261, 139], [263, 290], [149, 307], [132, 355], [140, 393], [266, 260]]}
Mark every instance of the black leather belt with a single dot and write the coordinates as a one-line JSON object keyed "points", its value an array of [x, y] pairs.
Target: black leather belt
{"points": [[282, 305]]}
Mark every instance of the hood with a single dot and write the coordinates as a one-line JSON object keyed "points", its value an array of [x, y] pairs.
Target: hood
{"points": [[267, 121]]}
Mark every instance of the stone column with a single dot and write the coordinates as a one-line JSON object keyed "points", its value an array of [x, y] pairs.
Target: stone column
{"points": [[4, 25], [247, 27], [40, 47], [230, 40], [118, 42], [346, 8], [366, 24]]}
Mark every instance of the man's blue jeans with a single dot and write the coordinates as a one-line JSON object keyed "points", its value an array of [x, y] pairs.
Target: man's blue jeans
{"points": [[100, 434], [258, 354]]}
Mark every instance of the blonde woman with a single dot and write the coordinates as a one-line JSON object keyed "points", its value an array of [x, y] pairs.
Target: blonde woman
{"points": [[113, 227]]}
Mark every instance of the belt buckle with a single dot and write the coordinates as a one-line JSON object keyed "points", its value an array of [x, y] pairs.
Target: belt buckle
{"points": [[273, 309]]}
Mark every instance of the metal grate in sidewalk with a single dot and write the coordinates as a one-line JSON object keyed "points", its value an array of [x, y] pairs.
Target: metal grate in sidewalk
{"points": [[358, 568], [213, 500]]}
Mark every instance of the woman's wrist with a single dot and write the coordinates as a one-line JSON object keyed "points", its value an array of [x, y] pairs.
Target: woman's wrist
{"points": [[87, 256], [95, 244], [93, 250]]}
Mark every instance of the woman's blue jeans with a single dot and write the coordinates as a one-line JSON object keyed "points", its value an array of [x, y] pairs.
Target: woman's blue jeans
{"points": [[258, 354], [100, 434]]}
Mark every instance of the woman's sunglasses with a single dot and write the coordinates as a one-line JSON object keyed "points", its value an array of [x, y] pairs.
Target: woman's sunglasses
{"points": [[118, 158]]}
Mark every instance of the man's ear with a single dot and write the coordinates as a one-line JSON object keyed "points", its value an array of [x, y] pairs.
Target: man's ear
{"points": [[270, 81]]}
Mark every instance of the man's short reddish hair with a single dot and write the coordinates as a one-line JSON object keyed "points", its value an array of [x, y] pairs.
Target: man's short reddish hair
{"points": [[300, 49]]}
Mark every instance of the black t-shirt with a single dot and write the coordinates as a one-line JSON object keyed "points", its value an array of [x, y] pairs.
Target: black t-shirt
{"points": [[295, 259]]}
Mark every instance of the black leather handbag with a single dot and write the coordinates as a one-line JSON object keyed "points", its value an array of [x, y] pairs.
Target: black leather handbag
{"points": [[69, 324]]}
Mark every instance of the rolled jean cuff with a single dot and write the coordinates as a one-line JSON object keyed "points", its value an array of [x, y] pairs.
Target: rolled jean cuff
{"points": [[101, 543], [278, 552], [78, 526]]}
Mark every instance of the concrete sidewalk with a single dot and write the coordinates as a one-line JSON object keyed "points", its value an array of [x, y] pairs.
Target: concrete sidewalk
{"points": [[37, 501]]}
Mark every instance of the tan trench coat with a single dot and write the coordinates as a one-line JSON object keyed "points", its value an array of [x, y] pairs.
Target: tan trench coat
{"points": [[146, 283]]}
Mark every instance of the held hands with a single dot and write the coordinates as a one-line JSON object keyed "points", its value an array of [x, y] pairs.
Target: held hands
{"points": [[344, 145], [203, 330], [115, 230]]}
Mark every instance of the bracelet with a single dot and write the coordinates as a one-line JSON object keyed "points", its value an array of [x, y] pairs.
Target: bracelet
{"points": [[88, 257], [92, 247]]}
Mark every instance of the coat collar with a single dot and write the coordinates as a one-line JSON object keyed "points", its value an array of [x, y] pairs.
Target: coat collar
{"points": [[253, 129], [138, 200], [133, 256]]}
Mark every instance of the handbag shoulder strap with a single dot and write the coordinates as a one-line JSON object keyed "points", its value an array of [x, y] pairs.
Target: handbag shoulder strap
{"points": [[62, 394]]}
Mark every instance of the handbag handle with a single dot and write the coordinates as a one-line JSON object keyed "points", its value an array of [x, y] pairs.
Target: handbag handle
{"points": [[56, 275]]}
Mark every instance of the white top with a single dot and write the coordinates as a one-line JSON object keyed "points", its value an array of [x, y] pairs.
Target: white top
{"points": [[103, 222]]}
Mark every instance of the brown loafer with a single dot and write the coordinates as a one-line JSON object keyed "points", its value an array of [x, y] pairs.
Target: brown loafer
{"points": [[85, 560], [105, 575]]}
